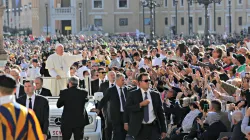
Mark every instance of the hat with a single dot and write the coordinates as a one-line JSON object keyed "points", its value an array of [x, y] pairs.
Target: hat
{"points": [[7, 81], [35, 60], [58, 45], [240, 58]]}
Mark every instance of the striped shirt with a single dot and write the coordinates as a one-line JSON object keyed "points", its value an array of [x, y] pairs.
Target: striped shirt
{"points": [[18, 123]]}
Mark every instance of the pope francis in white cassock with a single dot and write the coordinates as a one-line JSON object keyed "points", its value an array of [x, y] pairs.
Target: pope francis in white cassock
{"points": [[58, 65]]}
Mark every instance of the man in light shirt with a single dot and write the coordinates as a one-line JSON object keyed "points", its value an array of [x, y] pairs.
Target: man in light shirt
{"points": [[33, 71], [138, 58]]}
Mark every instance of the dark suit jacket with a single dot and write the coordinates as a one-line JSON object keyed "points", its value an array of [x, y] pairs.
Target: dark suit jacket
{"points": [[213, 131], [94, 86], [21, 91], [237, 134], [126, 113], [74, 114], [45, 92], [41, 109], [103, 88], [112, 96], [136, 113], [82, 84], [44, 72]]}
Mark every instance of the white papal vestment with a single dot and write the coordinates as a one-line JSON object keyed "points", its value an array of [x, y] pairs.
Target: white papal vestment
{"points": [[60, 65]]}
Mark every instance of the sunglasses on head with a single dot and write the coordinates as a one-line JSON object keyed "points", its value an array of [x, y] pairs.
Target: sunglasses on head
{"points": [[147, 80]]}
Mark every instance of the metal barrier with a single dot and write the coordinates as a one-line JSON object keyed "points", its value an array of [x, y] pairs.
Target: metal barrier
{"points": [[55, 85]]}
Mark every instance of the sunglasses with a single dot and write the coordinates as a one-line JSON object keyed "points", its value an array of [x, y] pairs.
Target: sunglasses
{"points": [[146, 81], [102, 72]]}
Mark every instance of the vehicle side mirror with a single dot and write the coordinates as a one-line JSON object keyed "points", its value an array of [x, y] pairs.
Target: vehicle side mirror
{"points": [[98, 96]]}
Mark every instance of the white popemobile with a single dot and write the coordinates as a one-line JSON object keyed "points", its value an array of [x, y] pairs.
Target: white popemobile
{"points": [[91, 131]]}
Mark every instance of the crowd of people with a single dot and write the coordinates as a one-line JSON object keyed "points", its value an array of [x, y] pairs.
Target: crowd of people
{"points": [[172, 89]]}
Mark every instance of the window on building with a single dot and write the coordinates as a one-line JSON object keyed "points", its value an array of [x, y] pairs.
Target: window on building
{"points": [[98, 22], [166, 3], [166, 21], [182, 2], [97, 3], [123, 3], [191, 3], [200, 20], [182, 21], [219, 20], [173, 2], [240, 1], [173, 22], [123, 21], [240, 21]]}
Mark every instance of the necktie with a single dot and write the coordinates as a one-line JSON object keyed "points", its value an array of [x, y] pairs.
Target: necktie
{"points": [[146, 112], [112, 85], [30, 103], [122, 98], [38, 91]]}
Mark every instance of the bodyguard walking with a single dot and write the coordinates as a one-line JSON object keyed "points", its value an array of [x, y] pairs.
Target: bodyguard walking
{"points": [[146, 117]]}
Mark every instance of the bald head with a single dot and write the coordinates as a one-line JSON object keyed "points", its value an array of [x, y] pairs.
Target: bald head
{"points": [[59, 49]]}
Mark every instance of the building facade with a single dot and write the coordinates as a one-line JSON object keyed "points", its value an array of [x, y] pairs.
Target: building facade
{"points": [[118, 16], [17, 15]]}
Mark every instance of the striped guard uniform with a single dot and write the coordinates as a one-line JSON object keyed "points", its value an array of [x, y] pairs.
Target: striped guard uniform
{"points": [[18, 123]]}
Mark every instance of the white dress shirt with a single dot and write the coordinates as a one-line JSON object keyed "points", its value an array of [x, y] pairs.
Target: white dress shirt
{"points": [[17, 89], [39, 91], [110, 84], [101, 81], [157, 61], [150, 107], [32, 100], [119, 93], [7, 99], [141, 63]]}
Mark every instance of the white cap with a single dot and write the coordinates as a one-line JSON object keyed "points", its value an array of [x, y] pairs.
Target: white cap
{"points": [[57, 45]]}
